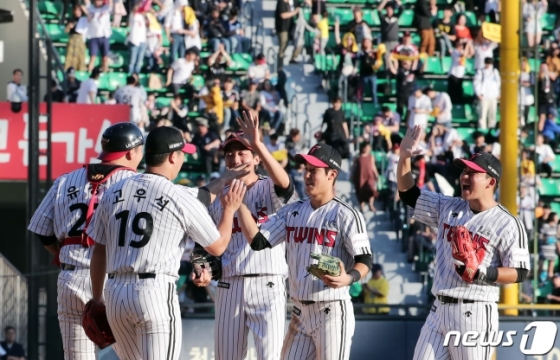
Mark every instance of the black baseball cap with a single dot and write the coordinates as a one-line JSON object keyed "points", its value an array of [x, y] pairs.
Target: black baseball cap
{"points": [[321, 155], [234, 138], [482, 162], [118, 139], [165, 140]]}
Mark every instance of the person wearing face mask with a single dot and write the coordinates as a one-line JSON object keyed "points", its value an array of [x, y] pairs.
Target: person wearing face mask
{"points": [[499, 239]]}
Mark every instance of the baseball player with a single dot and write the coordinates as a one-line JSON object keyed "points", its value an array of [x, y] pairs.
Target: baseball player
{"points": [[141, 231], [465, 301], [251, 294], [60, 220], [322, 323]]}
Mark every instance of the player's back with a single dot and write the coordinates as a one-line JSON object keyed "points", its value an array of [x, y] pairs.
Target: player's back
{"points": [[63, 211], [147, 219], [239, 258]]}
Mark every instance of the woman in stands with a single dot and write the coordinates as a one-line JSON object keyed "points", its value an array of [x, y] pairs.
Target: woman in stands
{"points": [[365, 176]]}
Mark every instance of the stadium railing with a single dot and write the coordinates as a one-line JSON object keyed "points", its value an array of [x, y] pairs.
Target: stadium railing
{"points": [[13, 299]]}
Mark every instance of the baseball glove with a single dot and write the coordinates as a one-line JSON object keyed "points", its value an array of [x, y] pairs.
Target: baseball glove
{"points": [[96, 325], [201, 260], [327, 265], [464, 253]]}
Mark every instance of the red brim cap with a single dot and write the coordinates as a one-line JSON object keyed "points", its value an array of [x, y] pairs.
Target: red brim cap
{"points": [[232, 140], [462, 163], [311, 160], [189, 149], [110, 156]]}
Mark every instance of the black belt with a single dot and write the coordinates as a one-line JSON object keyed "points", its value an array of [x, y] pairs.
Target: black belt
{"points": [[141, 276], [307, 302], [449, 300], [67, 267], [250, 275]]}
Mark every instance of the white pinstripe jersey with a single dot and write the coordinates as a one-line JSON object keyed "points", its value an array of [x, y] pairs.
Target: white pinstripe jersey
{"points": [[239, 259], [499, 232], [144, 222], [333, 229], [63, 211]]}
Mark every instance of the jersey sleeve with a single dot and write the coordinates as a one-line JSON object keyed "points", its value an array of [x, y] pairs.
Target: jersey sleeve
{"points": [[42, 221], [274, 229], [96, 229], [514, 250], [198, 223], [428, 207], [354, 233]]}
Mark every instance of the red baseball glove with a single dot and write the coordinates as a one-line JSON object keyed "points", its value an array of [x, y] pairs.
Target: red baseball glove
{"points": [[96, 325], [465, 254]]}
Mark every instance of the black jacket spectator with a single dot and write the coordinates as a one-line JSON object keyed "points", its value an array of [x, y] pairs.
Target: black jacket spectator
{"points": [[282, 25], [423, 15], [390, 24]]}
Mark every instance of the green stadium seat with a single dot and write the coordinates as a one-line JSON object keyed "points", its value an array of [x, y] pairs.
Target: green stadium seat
{"points": [[406, 18], [241, 62], [369, 110], [162, 101], [56, 33], [446, 62], [198, 82], [115, 80], [345, 15], [351, 109], [556, 164], [328, 62], [549, 187], [468, 88], [469, 66], [164, 40], [466, 133], [548, 21], [434, 66], [119, 35], [555, 207], [82, 75], [471, 18], [50, 10], [371, 17], [459, 113]]}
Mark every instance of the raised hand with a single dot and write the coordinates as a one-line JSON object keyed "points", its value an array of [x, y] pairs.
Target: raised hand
{"points": [[233, 198], [249, 124], [235, 173], [409, 144]]}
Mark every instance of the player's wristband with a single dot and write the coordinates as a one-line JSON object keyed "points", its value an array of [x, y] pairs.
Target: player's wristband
{"points": [[488, 275], [356, 276]]}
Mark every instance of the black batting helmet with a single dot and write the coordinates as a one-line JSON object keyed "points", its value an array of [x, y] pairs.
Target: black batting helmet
{"points": [[119, 139]]}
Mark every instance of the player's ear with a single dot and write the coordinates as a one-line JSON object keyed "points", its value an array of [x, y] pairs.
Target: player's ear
{"points": [[256, 159], [492, 181]]}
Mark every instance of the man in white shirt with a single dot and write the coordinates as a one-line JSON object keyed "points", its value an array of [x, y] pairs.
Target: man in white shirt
{"points": [[441, 103], [545, 156], [99, 31], [419, 108], [181, 71], [132, 96], [483, 49], [16, 92], [88, 89], [487, 87], [258, 70], [175, 30]]}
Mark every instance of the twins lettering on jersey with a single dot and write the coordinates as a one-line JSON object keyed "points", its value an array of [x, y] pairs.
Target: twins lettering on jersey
{"points": [[476, 238], [301, 234], [262, 216]]}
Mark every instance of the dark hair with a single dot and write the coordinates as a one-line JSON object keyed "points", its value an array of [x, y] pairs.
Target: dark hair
{"points": [[385, 109], [156, 159], [16, 71], [53, 83], [95, 73], [294, 132], [337, 99], [130, 80], [459, 16], [335, 178], [363, 145], [233, 12], [550, 217], [325, 14], [7, 328], [547, 206], [274, 136], [488, 60]]}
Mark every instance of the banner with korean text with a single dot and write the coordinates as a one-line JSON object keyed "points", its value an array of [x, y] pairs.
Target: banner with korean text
{"points": [[76, 137]]}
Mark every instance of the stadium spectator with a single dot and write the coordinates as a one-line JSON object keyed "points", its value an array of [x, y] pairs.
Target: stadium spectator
{"points": [[251, 98], [236, 35], [406, 76], [301, 26], [218, 63], [76, 27], [389, 25], [459, 57], [441, 105], [87, 92], [72, 85], [16, 92], [546, 98], [192, 31], [419, 108], [258, 70], [526, 202], [391, 119], [283, 22], [391, 171], [357, 26], [487, 87], [406, 50], [545, 156], [533, 11], [492, 9], [549, 246], [365, 177], [553, 62], [554, 296], [462, 32], [271, 109], [118, 12], [207, 143], [479, 144], [98, 32], [376, 291], [231, 104], [323, 30], [483, 49], [551, 129], [180, 73], [178, 116], [423, 13], [216, 32], [444, 31], [370, 61], [527, 82], [336, 132], [214, 109], [57, 95], [174, 29], [137, 38], [347, 49], [528, 169], [317, 6], [13, 349], [378, 134], [154, 41], [132, 96]]}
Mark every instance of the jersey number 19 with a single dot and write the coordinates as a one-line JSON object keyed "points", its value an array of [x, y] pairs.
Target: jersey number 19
{"points": [[146, 233]]}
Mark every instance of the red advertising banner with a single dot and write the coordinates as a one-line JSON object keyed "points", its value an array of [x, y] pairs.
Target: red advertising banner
{"points": [[76, 137]]}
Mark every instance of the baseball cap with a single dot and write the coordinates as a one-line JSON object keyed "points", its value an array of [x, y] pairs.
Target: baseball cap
{"points": [[482, 162], [321, 155], [165, 140], [376, 267], [119, 139], [234, 138]]}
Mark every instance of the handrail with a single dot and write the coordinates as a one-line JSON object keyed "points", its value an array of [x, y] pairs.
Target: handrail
{"points": [[47, 41]]}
